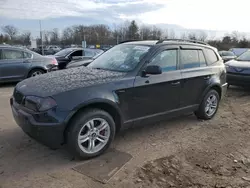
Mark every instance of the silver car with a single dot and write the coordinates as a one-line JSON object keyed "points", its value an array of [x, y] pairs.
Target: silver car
{"points": [[17, 64]]}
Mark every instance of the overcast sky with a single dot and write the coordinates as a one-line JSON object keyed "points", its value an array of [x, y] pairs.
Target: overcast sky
{"points": [[193, 14]]}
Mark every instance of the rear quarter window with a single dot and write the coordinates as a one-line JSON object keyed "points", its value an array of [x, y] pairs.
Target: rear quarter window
{"points": [[211, 56]]}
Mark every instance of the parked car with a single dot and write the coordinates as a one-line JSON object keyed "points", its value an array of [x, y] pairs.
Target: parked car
{"points": [[227, 55], [17, 64], [65, 56], [238, 70], [132, 83], [238, 51], [83, 62], [51, 49]]}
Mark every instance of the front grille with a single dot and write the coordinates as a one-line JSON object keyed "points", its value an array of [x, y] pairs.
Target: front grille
{"points": [[18, 96]]}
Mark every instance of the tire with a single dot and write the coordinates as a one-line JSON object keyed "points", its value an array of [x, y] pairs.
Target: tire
{"points": [[35, 72], [202, 112], [80, 127]]}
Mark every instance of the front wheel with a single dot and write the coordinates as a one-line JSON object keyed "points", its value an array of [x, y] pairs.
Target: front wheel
{"points": [[91, 133], [208, 106]]}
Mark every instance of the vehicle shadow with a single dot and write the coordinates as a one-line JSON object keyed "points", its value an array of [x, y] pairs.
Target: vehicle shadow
{"points": [[8, 85], [20, 155]]}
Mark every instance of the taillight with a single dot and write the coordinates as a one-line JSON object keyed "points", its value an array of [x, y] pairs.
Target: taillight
{"points": [[54, 62]]}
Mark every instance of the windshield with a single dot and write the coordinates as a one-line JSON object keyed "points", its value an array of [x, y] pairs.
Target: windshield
{"points": [[121, 58], [64, 52], [244, 57], [98, 54], [228, 54]]}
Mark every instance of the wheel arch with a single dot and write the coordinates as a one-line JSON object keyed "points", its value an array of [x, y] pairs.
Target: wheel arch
{"points": [[103, 104], [215, 86], [35, 68]]}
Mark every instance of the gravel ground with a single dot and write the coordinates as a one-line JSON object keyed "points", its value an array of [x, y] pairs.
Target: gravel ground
{"points": [[182, 152]]}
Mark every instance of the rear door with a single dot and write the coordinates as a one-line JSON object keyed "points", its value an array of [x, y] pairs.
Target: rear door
{"points": [[156, 95], [12, 66], [195, 75]]}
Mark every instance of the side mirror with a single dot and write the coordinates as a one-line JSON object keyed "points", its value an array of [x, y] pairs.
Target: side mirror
{"points": [[153, 69]]}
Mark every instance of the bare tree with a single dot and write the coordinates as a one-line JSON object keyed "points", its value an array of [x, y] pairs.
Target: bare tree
{"points": [[192, 36], [145, 32], [10, 30], [183, 36], [172, 34], [202, 36], [54, 36]]}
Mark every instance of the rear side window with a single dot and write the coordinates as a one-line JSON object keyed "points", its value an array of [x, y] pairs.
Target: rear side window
{"points": [[211, 56], [189, 59], [202, 58], [12, 54]]}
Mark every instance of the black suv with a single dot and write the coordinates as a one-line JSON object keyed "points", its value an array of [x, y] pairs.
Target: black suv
{"points": [[132, 83]]}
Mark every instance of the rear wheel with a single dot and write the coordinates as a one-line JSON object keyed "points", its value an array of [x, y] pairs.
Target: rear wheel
{"points": [[91, 133], [208, 106], [36, 72]]}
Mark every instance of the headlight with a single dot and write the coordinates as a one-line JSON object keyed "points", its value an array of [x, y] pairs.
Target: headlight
{"points": [[38, 103], [227, 66]]}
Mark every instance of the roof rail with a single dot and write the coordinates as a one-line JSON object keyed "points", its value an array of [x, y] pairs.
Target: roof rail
{"points": [[133, 40], [183, 40]]}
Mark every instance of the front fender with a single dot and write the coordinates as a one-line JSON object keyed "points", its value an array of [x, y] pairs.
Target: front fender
{"points": [[94, 102]]}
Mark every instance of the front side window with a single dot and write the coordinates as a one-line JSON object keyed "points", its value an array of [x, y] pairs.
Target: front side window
{"points": [[77, 53], [64, 52], [27, 55], [121, 58], [167, 60], [11, 54], [189, 59]]}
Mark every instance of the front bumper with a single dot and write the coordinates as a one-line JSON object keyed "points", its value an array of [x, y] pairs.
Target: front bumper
{"points": [[49, 134], [238, 79]]}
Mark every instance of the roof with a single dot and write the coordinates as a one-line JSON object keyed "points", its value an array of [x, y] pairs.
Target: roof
{"points": [[168, 41]]}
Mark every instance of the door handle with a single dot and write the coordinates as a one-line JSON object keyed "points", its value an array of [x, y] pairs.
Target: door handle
{"points": [[175, 83], [206, 77]]}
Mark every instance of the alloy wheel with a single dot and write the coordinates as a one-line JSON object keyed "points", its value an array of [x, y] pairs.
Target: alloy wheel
{"points": [[211, 105], [36, 73], [94, 135]]}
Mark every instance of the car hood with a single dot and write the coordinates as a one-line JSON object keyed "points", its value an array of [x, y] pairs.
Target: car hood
{"points": [[239, 64], [53, 83]]}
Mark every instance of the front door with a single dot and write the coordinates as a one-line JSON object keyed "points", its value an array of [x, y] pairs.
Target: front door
{"points": [[156, 95], [12, 65], [195, 75]]}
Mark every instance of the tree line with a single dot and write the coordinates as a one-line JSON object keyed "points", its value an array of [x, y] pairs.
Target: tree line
{"points": [[103, 34]]}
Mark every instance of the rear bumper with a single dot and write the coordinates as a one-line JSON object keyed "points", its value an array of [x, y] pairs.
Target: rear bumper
{"points": [[49, 134], [238, 79], [224, 90]]}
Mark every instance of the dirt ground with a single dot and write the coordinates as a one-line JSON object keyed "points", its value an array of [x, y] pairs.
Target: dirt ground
{"points": [[182, 152]]}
